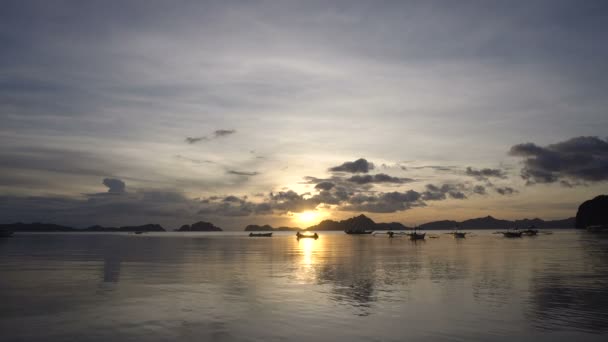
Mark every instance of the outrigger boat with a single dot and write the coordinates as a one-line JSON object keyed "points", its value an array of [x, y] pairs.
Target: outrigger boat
{"points": [[260, 234], [531, 231], [514, 233], [457, 234], [416, 236], [358, 232], [307, 236]]}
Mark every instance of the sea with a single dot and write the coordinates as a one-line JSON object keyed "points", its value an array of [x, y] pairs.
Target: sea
{"points": [[226, 286]]}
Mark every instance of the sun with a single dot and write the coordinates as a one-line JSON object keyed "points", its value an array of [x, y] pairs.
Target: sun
{"points": [[306, 217]]}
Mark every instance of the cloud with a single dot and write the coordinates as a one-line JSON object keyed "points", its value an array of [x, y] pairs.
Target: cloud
{"points": [[484, 174], [216, 134], [223, 133], [115, 186], [505, 190], [378, 178], [358, 166], [191, 140], [243, 173], [447, 168], [577, 160], [437, 193], [324, 186], [385, 202], [479, 189]]}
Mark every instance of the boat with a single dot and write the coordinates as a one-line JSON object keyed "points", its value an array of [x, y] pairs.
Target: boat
{"points": [[358, 232], [514, 233], [5, 233], [416, 236], [307, 236], [260, 234], [458, 234], [390, 233], [138, 232]]}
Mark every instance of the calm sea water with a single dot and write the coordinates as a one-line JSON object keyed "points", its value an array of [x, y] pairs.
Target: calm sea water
{"points": [[229, 287]]}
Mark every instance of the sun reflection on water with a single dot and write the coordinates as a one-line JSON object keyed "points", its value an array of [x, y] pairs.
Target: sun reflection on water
{"points": [[308, 248]]}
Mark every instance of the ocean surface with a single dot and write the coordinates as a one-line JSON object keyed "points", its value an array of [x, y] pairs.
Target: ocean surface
{"points": [[229, 287]]}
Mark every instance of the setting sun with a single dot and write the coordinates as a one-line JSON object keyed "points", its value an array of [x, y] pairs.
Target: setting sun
{"points": [[306, 217]]}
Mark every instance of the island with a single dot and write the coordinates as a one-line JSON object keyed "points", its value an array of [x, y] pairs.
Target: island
{"points": [[593, 212], [200, 226]]}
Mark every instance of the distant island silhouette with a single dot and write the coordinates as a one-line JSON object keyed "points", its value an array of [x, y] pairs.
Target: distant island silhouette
{"points": [[363, 223], [591, 212], [357, 223], [200, 226]]}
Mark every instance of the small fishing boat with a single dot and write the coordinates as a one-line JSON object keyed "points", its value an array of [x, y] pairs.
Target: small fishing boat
{"points": [[260, 234], [138, 232], [512, 233], [417, 236], [414, 235], [390, 233], [458, 234], [358, 232], [307, 236], [5, 233]]}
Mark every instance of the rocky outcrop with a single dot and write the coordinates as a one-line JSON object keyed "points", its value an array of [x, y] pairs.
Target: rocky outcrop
{"points": [[358, 223], [593, 212], [200, 226]]}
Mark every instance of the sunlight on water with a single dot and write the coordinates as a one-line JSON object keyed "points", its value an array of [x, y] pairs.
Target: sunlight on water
{"points": [[228, 287]]}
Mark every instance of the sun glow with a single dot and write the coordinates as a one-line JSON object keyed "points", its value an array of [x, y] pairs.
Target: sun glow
{"points": [[307, 217]]}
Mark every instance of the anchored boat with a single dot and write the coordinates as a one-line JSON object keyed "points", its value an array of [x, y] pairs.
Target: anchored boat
{"points": [[358, 232], [307, 236], [260, 234], [514, 233]]}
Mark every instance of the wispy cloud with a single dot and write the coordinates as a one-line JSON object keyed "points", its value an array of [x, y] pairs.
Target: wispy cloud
{"points": [[242, 173], [217, 134]]}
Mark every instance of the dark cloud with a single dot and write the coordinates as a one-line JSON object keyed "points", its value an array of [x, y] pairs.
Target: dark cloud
{"points": [[484, 174], [242, 173], [505, 190], [437, 193], [233, 199], [385, 202], [115, 186], [223, 132], [479, 189], [324, 186], [358, 166], [289, 200], [378, 178], [435, 167], [580, 159], [216, 134], [191, 140]]}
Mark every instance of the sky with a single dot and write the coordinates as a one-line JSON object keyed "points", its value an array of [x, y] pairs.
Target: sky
{"points": [[291, 112]]}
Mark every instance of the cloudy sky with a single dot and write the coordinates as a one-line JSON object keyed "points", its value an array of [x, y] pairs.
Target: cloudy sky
{"points": [[289, 112]]}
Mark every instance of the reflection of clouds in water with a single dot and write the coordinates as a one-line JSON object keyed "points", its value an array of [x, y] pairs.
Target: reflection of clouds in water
{"points": [[575, 295]]}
